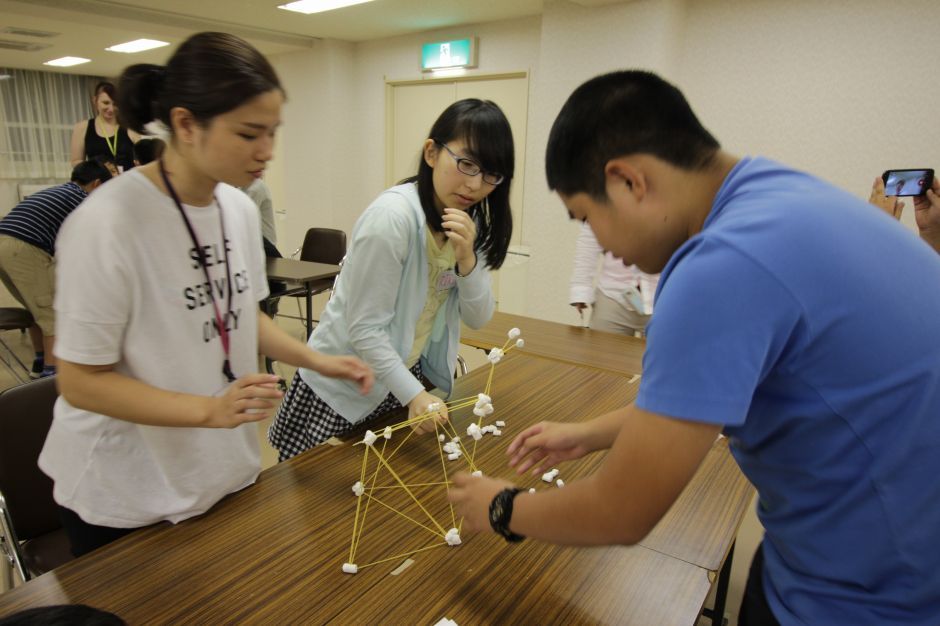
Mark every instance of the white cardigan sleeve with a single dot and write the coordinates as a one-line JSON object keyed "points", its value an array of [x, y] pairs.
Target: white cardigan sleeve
{"points": [[476, 296], [381, 246]]}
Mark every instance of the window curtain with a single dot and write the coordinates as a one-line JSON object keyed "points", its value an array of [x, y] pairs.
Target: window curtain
{"points": [[37, 113]]}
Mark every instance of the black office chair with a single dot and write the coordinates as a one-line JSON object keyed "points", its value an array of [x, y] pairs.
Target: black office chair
{"points": [[12, 318], [321, 245], [31, 536]]}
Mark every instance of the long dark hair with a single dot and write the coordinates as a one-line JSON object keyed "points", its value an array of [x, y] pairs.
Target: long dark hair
{"points": [[209, 74], [487, 136]]}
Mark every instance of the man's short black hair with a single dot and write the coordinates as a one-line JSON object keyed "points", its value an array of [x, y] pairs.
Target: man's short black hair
{"points": [[90, 171], [619, 114], [148, 149]]}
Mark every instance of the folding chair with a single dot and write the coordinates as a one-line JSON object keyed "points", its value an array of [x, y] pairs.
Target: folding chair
{"points": [[32, 539], [321, 245]]}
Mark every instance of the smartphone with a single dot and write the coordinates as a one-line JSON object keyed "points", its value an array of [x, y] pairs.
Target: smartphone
{"points": [[907, 182]]}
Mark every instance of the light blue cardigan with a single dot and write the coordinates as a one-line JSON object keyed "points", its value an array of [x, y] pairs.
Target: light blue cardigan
{"points": [[376, 303]]}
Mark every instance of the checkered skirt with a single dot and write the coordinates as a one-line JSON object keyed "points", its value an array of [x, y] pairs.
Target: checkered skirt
{"points": [[304, 420]]}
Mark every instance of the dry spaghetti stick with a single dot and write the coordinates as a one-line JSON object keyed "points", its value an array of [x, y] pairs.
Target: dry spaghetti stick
{"points": [[440, 449], [397, 512], [408, 491], [362, 477], [400, 556]]}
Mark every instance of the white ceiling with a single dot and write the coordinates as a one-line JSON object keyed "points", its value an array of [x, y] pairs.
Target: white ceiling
{"points": [[86, 27]]}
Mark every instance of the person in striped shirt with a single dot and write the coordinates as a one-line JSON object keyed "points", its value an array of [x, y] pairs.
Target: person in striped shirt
{"points": [[27, 251]]}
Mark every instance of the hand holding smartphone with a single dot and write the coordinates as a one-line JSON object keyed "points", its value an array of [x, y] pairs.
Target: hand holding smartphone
{"points": [[907, 182]]}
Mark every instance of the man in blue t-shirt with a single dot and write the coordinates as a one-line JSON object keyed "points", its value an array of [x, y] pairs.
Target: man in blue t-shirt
{"points": [[800, 321]]}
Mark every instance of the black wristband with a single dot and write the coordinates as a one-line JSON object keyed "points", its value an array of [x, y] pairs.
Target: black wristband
{"points": [[501, 514]]}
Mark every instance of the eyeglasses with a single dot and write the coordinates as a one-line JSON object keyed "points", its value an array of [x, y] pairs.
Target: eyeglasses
{"points": [[472, 168]]}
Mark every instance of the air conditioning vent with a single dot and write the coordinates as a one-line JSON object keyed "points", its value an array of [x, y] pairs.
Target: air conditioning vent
{"points": [[27, 32], [22, 46]]}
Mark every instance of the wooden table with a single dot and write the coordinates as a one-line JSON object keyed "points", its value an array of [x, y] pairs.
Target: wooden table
{"points": [[569, 344], [303, 273], [272, 553]]}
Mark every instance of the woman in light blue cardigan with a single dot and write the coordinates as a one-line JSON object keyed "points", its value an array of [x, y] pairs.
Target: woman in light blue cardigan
{"points": [[417, 265]]}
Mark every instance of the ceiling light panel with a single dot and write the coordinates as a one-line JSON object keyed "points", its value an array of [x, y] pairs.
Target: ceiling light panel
{"points": [[67, 61], [318, 6], [138, 45]]}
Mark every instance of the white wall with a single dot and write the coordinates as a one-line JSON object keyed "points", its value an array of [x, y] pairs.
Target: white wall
{"points": [[578, 43], [314, 158], [331, 155], [844, 90], [8, 195]]}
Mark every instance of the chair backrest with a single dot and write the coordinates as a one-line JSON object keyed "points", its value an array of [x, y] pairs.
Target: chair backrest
{"points": [[13, 318], [324, 245], [25, 418]]}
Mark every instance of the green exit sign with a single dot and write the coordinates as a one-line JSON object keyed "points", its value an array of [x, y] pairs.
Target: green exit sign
{"points": [[449, 54]]}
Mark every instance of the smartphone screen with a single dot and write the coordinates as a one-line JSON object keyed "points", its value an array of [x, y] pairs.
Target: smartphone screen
{"points": [[907, 182]]}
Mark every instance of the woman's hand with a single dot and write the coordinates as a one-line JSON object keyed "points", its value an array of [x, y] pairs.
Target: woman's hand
{"points": [[251, 398], [348, 367], [419, 406], [460, 228]]}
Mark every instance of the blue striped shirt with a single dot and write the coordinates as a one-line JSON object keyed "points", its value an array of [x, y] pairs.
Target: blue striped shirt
{"points": [[38, 218]]}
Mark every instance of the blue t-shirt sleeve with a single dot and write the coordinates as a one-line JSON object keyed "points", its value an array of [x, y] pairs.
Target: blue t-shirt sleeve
{"points": [[721, 322]]}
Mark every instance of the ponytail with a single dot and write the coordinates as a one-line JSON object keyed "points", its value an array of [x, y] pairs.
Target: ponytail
{"points": [[209, 74], [140, 87]]}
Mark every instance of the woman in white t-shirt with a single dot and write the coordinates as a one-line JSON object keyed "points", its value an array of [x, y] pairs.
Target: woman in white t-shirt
{"points": [[159, 280], [417, 266]]}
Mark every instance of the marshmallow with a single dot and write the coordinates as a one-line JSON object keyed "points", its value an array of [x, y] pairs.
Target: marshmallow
{"points": [[482, 399], [358, 489], [477, 473], [474, 431], [550, 475], [531, 489], [388, 432], [494, 355], [560, 482], [497, 432], [434, 406], [441, 437], [479, 411], [452, 537], [454, 456], [514, 332], [500, 423], [350, 568], [487, 409], [488, 428], [370, 438], [520, 343]]}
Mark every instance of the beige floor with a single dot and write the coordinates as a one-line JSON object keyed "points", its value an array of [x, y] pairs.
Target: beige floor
{"points": [[748, 537]]}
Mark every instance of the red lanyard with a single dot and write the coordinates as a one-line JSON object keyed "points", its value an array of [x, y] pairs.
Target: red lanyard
{"points": [[201, 253]]}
